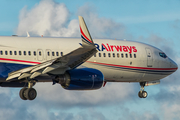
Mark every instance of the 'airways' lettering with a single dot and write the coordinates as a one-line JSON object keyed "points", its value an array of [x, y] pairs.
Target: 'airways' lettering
{"points": [[117, 48], [104, 47]]}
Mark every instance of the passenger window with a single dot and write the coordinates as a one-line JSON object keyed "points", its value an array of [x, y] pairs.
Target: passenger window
{"points": [[34, 53], [57, 53], [113, 55], [109, 54], [118, 55], [130, 55], [19, 52], [39, 53], [15, 53], [52, 53], [99, 54], [24, 52], [48, 53], [126, 55], [61, 53], [29, 52], [104, 54], [134, 55], [1, 52], [10, 52], [122, 55], [6, 53]]}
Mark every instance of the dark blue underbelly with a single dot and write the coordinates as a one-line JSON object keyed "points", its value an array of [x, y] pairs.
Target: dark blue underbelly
{"points": [[6, 68]]}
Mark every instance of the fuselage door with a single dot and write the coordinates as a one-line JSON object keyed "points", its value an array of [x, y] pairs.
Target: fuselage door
{"points": [[40, 54], [149, 57], [48, 54]]}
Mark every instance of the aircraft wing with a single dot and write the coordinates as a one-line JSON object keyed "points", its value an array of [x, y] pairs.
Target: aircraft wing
{"points": [[61, 64]]}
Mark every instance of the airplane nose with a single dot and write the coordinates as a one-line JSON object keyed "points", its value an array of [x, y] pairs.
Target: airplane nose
{"points": [[173, 64]]}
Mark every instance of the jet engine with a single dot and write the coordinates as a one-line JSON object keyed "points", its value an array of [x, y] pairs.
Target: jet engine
{"points": [[81, 79]]}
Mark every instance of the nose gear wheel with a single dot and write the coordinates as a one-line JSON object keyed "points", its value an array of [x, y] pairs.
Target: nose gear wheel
{"points": [[142, 94]]}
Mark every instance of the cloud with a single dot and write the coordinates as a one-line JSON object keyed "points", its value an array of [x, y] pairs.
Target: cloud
{"points": [[170, 111], [55, 22], [147, 115], [47, 18], [101, 27], [108, 95], [87, 114]]}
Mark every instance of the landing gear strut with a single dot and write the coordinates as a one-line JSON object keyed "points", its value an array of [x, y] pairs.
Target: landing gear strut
{"points": [[28, 93], [142, 93]]}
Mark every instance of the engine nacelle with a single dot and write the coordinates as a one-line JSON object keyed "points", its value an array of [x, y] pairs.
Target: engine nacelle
{"points": [[82, 79]]}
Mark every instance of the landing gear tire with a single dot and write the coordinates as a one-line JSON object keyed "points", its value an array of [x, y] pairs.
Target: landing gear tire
{"points": [[27, 93], [30, 93], [142, 94], [22, 93]]}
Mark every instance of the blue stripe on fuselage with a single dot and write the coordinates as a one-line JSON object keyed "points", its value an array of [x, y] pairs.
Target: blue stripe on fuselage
{"points": [[6, 68]]}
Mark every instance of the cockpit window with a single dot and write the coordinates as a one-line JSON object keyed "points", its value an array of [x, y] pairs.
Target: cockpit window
{"points": [[163, 55]]}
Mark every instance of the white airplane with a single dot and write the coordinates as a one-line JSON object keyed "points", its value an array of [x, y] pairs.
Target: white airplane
{"points": [[27, 60]]}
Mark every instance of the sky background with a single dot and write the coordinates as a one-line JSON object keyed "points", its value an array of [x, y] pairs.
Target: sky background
{"points": [[149, 21]]}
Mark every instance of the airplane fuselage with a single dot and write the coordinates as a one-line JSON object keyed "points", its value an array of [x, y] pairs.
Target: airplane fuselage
{"points": [[118, 60]]}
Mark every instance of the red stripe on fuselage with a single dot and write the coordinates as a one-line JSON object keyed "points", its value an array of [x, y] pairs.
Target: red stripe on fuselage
{"points": [[84, 35], [13, 60], [144, 68]]}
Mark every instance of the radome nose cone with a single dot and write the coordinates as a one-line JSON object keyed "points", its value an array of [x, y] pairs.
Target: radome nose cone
{"points": [[174, 65]]}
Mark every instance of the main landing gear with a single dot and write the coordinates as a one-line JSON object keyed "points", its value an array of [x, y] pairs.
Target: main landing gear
{"points": [[142, 93], [28, 93]]}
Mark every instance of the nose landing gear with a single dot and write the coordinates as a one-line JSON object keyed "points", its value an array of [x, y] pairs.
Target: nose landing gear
{"points": [[142, 93]]}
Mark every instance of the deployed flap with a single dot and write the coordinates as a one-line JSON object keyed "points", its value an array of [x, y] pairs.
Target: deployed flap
{"points": [[66, 62]]}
